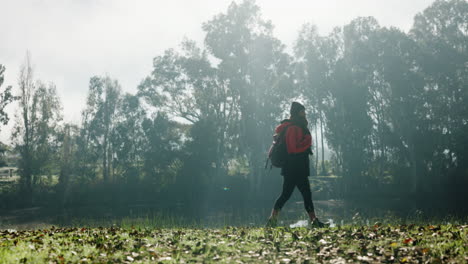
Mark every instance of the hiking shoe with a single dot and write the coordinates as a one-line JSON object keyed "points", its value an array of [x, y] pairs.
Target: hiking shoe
{"points": [[272, 222], [317, 224]]}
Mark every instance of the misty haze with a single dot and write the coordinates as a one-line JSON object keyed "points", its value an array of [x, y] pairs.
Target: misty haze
{"points": [[234, 131]]}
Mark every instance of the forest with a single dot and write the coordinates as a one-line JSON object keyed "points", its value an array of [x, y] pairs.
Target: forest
{"points": [[388, 111]]}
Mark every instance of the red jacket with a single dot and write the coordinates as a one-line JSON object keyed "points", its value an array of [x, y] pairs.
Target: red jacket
{"points": [[296, 141]]}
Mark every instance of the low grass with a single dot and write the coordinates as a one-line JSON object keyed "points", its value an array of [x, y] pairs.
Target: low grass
{"points": [[380, 243]]}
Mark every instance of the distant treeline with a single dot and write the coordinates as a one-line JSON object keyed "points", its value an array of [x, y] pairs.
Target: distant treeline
{"points": [[391, 106]]}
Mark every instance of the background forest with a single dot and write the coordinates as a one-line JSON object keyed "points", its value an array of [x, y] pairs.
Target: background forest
{"points": [[388, 111]]}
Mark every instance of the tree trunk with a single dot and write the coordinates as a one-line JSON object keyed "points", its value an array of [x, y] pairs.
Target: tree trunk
{"points": [[65, 168], [105, 175], [316, 148], [324, 171], [414, 170]]}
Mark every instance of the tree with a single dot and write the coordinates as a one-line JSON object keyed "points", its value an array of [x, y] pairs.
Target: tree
{"points": [[6, 97], [99, 121], [315, 61], [187, 87], [231, 92], [24, 129], [257, 71], [441, 33], [398, 101], [68, 159], [161, 163], [46, 114], [129, 138], [34, 133], [346, 107]]}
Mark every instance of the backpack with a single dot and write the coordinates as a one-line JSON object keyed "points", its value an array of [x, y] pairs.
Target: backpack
{"points": [[278, 152]]}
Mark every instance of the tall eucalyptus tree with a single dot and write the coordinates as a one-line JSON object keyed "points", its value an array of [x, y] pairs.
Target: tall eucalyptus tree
{"points": [[34, 134], [98, 124]]}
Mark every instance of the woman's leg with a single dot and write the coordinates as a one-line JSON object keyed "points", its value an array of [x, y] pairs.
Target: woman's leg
{"points": [[288, 188], [303, 185]]}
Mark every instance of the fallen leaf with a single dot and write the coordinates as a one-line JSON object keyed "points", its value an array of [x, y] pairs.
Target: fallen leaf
{"points": [[408, 240]]}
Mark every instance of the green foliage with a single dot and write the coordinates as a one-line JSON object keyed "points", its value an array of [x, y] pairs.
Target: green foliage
{"points": [[389, 106], [160, 152], [35, 132], [129, 139], [99, 122], [392, 102], [389, 243], [258, 74], [4, 149], [6, 97]]}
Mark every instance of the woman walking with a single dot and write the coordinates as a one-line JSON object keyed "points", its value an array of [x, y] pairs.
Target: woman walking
{"points": [[296, 170]]}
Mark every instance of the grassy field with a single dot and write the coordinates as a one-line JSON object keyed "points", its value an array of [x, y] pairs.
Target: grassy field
{"points": [[363, 244]]}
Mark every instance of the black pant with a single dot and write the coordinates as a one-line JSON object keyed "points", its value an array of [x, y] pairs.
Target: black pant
{"points": [[302, 183]]}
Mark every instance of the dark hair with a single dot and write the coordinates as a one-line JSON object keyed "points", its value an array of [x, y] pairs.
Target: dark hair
{"points": [[296, 108]]}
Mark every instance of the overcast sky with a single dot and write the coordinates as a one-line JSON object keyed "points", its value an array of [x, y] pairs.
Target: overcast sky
{"points": [[72, 40]]}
